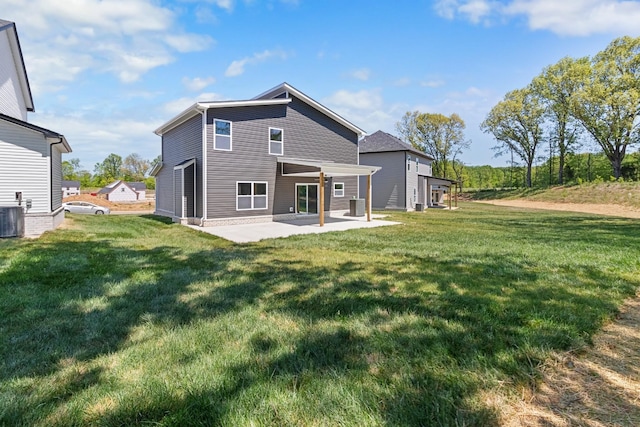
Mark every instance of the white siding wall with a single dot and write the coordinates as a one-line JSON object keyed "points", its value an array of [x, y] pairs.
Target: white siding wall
{"points": [[12, 102], [122, 193], [24, 166]]}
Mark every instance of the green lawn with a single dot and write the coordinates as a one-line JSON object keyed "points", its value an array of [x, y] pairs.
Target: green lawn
{"points": [[123, 320]]}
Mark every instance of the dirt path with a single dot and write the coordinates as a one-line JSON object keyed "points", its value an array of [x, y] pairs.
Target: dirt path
{"points": [[610, 210], [600, 387]]}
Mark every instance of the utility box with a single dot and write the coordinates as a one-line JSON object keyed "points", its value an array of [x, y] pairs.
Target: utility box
{"points": [[11, 221], [419, 207], [356, 207]]}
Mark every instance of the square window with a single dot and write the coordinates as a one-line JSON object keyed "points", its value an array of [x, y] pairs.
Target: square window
{"points": [[222, 135], [338, 189], [276, 141], [251, 195]]}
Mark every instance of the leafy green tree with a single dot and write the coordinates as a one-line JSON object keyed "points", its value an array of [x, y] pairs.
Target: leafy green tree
{"points": [[439, 136], [517, 125], [110, 169], [135, 168], [556, 85], [607, 104], [70, 169]]}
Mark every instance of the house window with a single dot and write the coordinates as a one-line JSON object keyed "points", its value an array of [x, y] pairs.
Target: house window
{"points": [[417, 163], [251, 196], [222, 135], [338, 189], [408, 162], [122, 189], [276, 143]]}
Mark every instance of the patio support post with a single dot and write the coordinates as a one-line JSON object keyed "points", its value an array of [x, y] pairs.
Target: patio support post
{"points": [[321, 199], [369, 197]]}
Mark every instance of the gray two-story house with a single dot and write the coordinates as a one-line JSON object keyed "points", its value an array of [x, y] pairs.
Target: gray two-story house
{"points": [[405, 181], [280, 155]]}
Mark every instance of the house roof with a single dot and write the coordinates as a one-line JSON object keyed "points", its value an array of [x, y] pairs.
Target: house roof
{"points": [[138, 186], [16, 51], [271, 97], [66, 183], [287, 89], [380, 142], [51, 136]]}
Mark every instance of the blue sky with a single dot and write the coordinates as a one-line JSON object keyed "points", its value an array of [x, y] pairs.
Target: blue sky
{"points": [[107, 73]]}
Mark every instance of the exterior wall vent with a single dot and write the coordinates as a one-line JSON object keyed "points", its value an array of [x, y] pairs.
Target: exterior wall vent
{"points": [[11, 221]]}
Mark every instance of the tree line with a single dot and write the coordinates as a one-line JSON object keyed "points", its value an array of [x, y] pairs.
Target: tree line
{"points": [[571, 103], [132, 168], [544, 126]]}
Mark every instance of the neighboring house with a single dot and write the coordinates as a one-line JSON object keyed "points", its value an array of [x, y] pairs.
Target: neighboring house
{"points": [[140, 188], [405, 181], [277, 156], [70, 188], [30, 156], [120, 191]]}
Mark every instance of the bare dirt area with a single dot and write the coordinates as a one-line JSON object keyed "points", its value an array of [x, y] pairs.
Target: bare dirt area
{"points": [[600, 209], [598, 387], [116, 207]]}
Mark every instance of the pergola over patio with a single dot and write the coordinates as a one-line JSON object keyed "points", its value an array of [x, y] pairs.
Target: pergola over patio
{"points": [[322, 169]]}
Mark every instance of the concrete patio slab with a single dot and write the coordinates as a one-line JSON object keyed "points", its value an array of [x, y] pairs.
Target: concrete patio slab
{"points": [[245, 233]]}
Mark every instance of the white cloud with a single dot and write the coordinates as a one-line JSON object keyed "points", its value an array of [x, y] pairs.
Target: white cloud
{"points": [[572, 18], [197, 83], [404, 81], [580, 18], [177, 106], [432, 83], [237, 67], [124, 37], [361, 100], [361, 74]]}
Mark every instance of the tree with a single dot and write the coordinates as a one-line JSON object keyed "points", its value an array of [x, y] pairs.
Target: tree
{"points": [[439, 136], [607, 103], [70, 169], [110, 168], [135, 168], [517, 125], [556, 85]]}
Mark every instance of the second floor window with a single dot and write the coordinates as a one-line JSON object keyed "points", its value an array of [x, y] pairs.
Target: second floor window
{"points": [[276, 142], [222, 135]]}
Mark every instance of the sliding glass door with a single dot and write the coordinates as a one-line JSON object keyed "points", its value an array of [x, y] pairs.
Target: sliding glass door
{"points": [[307, 198]]}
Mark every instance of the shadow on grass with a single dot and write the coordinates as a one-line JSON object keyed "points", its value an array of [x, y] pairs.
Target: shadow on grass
{"points": [[416, 336]]}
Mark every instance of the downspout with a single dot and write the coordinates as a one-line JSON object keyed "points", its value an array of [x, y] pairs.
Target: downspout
{"points": [[204, 170], [51, 172]]}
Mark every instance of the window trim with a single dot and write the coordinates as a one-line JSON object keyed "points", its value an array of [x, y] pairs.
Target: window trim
{"points": [[215, 135], [252, 195], [334, 189], [281, 142]]}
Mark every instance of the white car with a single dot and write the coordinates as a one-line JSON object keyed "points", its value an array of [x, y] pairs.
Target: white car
{"points": [[85, 208]]}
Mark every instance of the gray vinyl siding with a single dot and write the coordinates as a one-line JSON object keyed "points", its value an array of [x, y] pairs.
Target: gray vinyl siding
{"points": [[307, 134], [178, 145], [388, 185], [56, 178], [12, 102], [412, 184], [24, 166]]}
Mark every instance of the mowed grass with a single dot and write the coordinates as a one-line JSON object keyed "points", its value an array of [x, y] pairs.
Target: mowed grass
{"points": [[612, 193], [120, 320]]}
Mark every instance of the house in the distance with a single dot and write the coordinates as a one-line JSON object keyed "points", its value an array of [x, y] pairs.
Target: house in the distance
{"points": [[30, 156], [405, 181], [70, 188], [121, 191], [280, 155]]}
